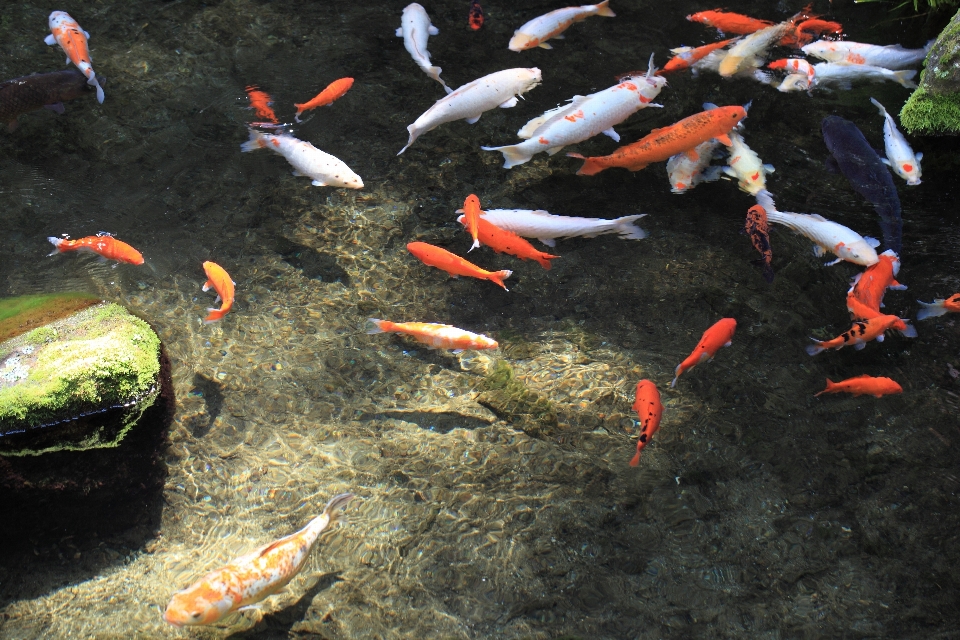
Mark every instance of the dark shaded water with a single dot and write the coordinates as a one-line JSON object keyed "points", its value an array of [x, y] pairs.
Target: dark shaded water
{"points": [[758, 511]]}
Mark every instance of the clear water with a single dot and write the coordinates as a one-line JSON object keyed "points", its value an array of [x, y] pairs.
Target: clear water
{"points": [[758, 511]]}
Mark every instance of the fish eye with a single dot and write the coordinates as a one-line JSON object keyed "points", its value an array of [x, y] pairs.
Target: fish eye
{"points": [[196, 615]]}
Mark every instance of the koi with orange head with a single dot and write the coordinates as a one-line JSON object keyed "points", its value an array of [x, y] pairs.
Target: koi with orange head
{"points": [[103, 244], [719, 335], [260, 102], [334, 91], [219, 280], [453, 264], [728, 22], [503, 241], [863, 385], [650, 410]]}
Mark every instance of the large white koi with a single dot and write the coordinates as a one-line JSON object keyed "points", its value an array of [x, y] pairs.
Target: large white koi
{"points": [[900, 156], [415, 28], [550, 25], [546, 227], [892, 57]]}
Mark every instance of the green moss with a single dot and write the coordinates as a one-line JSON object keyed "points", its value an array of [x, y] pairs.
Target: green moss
{"points": [[40, 335], [925, 113], [512, 400]]}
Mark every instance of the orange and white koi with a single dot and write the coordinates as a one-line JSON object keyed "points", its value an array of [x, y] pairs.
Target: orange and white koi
{"points": [[826, 235], [900, 156], [892, 57], [939, 307], [650, 411], [748, 50], [253, 577], [863, 385], [746, 166], [260, 102], [729, 22], [758, 231], [103, 244], [868, 287], [546, 227], [334, 91], [219, 280], [453, 264], [793, 66], [536, 32], [660, 144], [66, 32], [583, 118], [415, 28], [435, 336], [503, 241], [307, 161], [468, 102], [686, 57], [862, 332], [471, 219], [686, 170], [718, 335]]}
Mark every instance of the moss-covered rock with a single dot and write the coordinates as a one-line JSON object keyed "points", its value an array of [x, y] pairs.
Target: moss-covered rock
{"points": [[934, 107], [77, 383]]}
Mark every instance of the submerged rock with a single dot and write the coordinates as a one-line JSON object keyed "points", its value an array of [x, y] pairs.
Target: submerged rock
{"points": [[79, 382], [934, 107]]}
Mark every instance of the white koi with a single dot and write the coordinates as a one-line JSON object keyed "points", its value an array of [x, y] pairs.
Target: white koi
{"points": [[583, 118], [66, 32], [900, 156], [841, 74], [795, 82], [828, 236], [546, 227], [744, 53], [892, 57], [686, 172], [749, 67], [468, 102], [325, 169], [415, 28], [550, 25], [746, 166]]}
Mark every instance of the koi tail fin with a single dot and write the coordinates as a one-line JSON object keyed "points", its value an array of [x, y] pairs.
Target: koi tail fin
{"points": [[627, 230], [603, 9], [676, 375], [214, 315], [56, 242], [909, 331], [830, 387], [590, 165], [93, 81], [500, 276], [883, 112], [905, 78], [475, 245], [434, 72], [635, 460], [413, 136], [814, 349], [257, 141], [512, 155], [334, 508], [375, 326], [929, 310]]}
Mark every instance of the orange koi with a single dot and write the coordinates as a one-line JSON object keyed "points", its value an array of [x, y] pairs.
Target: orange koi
{"points": [[862, 332], [793, 66], [860, 311], [686, 57], [260, 101], [729, 22], [503, 241], [648, 408], [66, 32], [804, 33], [758, 230], [939, 307], [475, 16], [455, 265], [719, 335], [252, 577], [103, 244], [435, 336], [471, 216], [863, 385], [334, 91], [868, 287], [660, 144], [220, 280]]}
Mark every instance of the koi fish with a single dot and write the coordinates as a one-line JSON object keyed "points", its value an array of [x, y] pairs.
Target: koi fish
{"points": [[891, 57], [686, 57], [253, 577], [804, 32], [453, 264], [796, 82], [862, 332], [583, 118], [746, 166], [435, 336], [939, 307], [415, 28], [758, 231], [900, 156], [334, 91], [471, 214], [751, 47], [860, 311], [504, 241], [29, 93], [475, 15], [103, 244], [648, 408], [719, 335], [868, 287], [827, 236], [794, 66], [863, 385], [685, 173], [536, 32], [65, 31], [468, 102], [307, 161], [842, 75], [260, 102], [660, 144], [220, 281], [729, 22], [545, 226]]}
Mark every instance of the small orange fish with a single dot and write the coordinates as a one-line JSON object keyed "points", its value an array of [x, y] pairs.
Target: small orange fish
{"points": [[648, 408], [471, 219], [220, 280], [453, 264], [758, 230], [869, 286], [687, 57], [260, 101], [102, 244], [863, 385], [862, 332], [503, 241], [804, 32], [435, 336], [719, 335], [860, 311], [939, 307], [729, 22], [66, 32], [252, 577], [475, 16], [660, 144], [334, 91]]}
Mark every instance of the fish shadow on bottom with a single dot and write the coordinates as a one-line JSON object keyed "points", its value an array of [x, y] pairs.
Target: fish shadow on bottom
{"points": [[279, 624]]}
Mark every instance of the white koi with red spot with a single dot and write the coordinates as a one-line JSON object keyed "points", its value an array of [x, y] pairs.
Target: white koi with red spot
{"points": [[550, 25], [900, 156], [687, 170], [746, 166], [583, 118], [889, 57], [325, 169]]}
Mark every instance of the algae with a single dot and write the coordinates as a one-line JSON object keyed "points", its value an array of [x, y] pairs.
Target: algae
{"points": [[510, 399], [934, 107]]}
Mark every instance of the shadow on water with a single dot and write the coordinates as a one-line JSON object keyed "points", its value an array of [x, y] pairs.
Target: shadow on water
{"points": [[280, 624]]}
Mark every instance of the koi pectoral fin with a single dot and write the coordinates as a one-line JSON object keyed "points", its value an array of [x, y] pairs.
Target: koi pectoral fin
{"points": [[50, 40]]}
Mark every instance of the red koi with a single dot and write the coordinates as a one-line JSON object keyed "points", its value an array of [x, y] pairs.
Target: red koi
{"points": [[719, 335], [728, 22], [503, 241], [650, 410], [218, 279], [260, 101], [475, 16], [863, 385], [453, 264], [334, 91], [102, 244]]}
